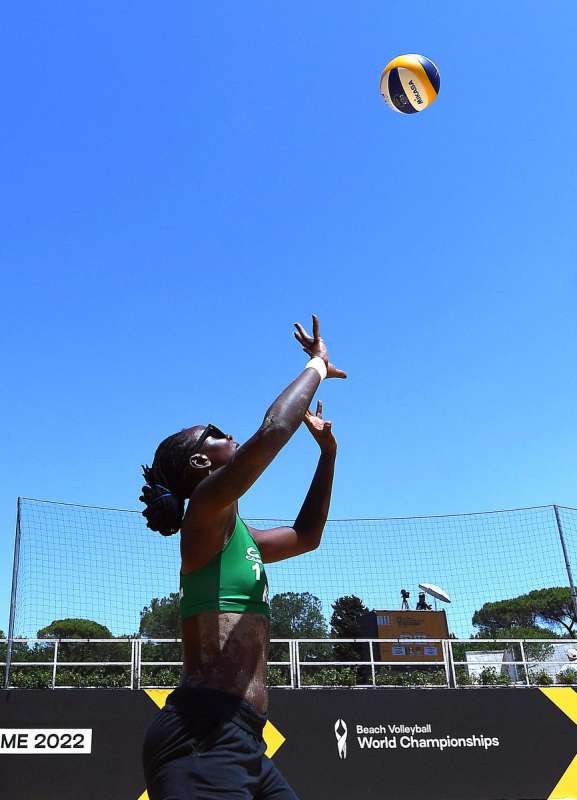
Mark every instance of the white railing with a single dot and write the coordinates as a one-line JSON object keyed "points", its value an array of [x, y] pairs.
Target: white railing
{"points": [[516, 662]]}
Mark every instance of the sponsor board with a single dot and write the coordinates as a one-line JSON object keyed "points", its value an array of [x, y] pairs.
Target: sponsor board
{"points": [[45, 741], [341, 732], [390, 736], [406, 744], [442, 744]]}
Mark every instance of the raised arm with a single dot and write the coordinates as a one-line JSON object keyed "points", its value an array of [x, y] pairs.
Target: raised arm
{"points": [[225, 485], [278, 543]]}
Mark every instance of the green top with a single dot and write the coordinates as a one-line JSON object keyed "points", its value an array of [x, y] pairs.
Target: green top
{"points": [[234, 580]]}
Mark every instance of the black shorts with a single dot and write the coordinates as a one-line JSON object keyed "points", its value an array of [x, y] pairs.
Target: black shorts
{"points": [[205, 745]]}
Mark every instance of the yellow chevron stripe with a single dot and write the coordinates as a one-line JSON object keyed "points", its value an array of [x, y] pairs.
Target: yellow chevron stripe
{"points": [[273, 738], [158, 696], [566, 700], [567, 786]]}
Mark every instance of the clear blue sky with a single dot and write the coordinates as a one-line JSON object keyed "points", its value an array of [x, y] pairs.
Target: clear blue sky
{"points": [[180, 182]]}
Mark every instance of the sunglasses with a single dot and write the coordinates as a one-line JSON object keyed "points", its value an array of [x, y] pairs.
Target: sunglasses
{"points": [[210, 430]]}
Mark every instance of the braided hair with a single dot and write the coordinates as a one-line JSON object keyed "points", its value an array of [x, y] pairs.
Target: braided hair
{"points": [[169, 482]]}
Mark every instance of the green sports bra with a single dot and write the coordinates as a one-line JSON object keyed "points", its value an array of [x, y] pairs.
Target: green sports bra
{"points": [[234, 580]]}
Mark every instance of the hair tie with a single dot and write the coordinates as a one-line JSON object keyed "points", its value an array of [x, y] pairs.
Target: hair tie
{"points": [[167, 493], [160, 496]]}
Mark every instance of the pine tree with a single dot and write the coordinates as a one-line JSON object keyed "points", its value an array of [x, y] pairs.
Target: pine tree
{"points": [[348, 612]]}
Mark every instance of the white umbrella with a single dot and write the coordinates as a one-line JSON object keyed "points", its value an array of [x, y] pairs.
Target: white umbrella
{"points": [[435, 591]]}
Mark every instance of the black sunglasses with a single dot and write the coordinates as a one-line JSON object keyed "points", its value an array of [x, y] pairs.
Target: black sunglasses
{"points": [[210, 430]]}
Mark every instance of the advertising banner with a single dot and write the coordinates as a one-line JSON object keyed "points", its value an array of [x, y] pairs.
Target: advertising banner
{"points": [[338, 744]]}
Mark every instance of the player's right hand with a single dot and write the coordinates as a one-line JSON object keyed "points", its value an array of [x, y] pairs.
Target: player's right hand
{"points": [[314, 346]]}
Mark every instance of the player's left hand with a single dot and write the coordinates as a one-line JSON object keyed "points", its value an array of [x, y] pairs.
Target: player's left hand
{"points": [[321, 429]]}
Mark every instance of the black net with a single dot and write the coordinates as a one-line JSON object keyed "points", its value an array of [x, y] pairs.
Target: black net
{"points": [[105, 565]]}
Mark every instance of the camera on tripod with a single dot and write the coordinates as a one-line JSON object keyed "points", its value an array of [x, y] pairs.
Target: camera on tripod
{"points": [[405, 600]]}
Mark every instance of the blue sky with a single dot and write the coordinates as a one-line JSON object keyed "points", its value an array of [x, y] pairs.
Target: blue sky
{"points": [[181, 183]]}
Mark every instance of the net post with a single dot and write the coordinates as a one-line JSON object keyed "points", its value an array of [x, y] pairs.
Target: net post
{"points": [[525, 665], [373, 676], [55, 662], [449, 663], [566, 557], [15, 566], [298, 663], [292, 658], [445, 651], [133, 664], [138, 661]]}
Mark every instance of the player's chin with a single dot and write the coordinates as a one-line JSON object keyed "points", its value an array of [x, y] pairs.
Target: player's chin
{"points": [[226, 454]]}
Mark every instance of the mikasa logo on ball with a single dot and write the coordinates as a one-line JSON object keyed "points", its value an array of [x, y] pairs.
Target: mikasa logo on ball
{"points": [[416, 92]]}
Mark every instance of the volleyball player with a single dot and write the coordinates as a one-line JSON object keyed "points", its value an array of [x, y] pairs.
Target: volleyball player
{"points": [[206, 743]]}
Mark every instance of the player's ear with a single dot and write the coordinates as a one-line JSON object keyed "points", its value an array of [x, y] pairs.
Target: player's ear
{"points": [[200, 461]]}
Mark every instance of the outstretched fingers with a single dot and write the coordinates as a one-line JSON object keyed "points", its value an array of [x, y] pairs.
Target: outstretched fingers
{"points": [[301, 333], [316, 327], [302, 336]]}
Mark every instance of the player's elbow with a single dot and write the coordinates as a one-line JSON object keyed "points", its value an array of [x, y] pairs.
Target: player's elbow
{"points": [[275, 430], [308, 540]]}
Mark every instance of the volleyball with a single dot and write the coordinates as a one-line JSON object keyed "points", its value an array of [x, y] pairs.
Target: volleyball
{"points": [[410, 83]]}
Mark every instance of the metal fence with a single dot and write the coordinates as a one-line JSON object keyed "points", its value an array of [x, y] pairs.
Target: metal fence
{"points": [[473, 663]]}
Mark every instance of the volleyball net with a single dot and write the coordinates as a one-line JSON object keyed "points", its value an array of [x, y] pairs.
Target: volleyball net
{"points": [[104, 565]]}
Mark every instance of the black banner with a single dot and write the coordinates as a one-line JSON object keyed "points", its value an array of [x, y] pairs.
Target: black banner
{"points": [[338, 744], [439, 744]]}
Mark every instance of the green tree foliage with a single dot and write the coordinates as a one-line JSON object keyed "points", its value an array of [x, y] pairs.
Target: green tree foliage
{"points": [[348, 612], [539, 614], [297, 615], [554, 607], [541, 678], [80, 652], [529, 632], [551, 608], [567, 676], [411, 676], [38, 677], [161, 620], [74, 629], [539, 651], [503, 614]]}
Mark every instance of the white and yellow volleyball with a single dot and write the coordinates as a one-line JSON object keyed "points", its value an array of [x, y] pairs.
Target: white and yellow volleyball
{"points": [[410, 83]]}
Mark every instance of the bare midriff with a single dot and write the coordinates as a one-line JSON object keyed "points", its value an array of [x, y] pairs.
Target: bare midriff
{"points": [[228, 652]]}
